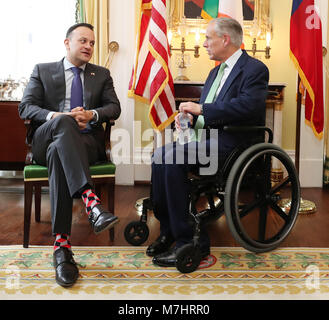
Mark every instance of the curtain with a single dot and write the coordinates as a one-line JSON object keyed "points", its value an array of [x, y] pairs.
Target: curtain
{"points": [[326, 158], [96, 12]]}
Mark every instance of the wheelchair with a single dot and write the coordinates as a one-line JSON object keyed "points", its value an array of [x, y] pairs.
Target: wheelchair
{"points": [[248, 191]]}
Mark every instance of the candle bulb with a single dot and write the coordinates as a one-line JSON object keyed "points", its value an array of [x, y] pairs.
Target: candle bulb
{"points": [[197, 37], [169, 34], [268, 38]]}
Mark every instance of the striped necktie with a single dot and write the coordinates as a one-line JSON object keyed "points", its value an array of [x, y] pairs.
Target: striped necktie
{"points": [[210, 99]]}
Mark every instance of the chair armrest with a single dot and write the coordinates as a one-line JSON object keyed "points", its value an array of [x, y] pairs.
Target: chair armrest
{"points": [[30, 131], [250, 129], [28, 141]]}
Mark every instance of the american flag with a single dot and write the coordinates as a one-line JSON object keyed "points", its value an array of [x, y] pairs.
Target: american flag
{"points": [[151, 81]]}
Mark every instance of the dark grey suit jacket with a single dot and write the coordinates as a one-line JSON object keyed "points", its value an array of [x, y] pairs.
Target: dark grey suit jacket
{"points": [[46, 92]]}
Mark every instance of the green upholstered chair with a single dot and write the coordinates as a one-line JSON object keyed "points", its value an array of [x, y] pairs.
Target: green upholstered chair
{"points": [[36, 176]]}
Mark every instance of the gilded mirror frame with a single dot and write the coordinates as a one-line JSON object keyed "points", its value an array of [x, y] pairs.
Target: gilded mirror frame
{"points": [[261, 15]]}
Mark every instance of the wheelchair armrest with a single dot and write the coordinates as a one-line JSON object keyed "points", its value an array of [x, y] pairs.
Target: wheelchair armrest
{"points": [[250, 129]]}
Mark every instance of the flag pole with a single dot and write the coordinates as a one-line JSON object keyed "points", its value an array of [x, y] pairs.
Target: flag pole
{"points": [[306, 206], [297, 141]]}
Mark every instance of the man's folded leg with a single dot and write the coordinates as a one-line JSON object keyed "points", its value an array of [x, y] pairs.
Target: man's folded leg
{"points": [[67, 154]]}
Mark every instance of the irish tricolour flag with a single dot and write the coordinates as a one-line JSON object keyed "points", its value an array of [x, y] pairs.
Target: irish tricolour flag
{"points": [[222, 8]]}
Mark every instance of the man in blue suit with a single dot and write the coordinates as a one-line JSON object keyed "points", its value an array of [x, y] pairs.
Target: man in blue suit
{"points": [[234, 94]]}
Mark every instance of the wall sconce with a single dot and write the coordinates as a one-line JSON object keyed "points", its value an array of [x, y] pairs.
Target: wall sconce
{"points": [[255, 33], [113, 47], [182, 65], [254, 49], [183, 32]]}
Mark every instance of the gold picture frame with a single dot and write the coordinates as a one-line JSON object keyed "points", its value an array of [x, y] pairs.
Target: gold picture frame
{"points": [[261, 16]]}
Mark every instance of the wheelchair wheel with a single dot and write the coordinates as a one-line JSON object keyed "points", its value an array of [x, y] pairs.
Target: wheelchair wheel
{"points": [[188, 258], [252, 198], [136, 233]]}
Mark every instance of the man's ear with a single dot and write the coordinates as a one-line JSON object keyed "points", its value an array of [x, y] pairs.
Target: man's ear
{"points": [[226, 39], [66, 43]]}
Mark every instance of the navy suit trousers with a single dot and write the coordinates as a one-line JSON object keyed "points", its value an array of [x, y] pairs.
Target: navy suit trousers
{"points": [[170, 186]]}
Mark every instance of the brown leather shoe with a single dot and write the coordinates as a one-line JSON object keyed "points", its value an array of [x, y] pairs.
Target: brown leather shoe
{"points": [[160, 245]]}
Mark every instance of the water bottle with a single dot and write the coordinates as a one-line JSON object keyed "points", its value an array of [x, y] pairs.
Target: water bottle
{"points": [[184, 134]]}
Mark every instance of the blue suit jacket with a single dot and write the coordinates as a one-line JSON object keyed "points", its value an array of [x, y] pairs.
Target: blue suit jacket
{"points": [[241, 101]]}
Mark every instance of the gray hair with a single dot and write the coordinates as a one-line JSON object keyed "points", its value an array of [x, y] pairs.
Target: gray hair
{"points": [[231, 27]]}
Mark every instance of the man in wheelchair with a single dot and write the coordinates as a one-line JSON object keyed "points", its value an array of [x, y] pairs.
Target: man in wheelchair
{"points": [[234, 94]]}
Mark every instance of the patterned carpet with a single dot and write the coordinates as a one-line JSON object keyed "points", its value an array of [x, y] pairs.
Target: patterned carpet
{"points": [[127, 273]]}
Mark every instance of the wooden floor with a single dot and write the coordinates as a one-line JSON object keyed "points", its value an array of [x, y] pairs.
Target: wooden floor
{"points": [[309, 231]]}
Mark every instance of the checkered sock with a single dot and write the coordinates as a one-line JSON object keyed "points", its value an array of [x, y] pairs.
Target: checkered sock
{"points": [[62, 240], [90, 199]]}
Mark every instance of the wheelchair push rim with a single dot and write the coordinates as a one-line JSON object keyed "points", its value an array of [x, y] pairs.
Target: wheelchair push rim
{"points": [[258, 201]]}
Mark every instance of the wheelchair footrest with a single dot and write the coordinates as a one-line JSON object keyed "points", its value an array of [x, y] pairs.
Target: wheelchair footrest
{"points": [[209, 215]]}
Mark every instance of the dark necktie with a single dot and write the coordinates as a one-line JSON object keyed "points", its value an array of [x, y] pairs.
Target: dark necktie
{"points": [[77, 94], [76, 89]]}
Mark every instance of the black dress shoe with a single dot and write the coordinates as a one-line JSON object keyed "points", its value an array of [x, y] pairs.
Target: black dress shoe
{"points": [[100, 219], [160, 245], [169, 258], [67, 271]]}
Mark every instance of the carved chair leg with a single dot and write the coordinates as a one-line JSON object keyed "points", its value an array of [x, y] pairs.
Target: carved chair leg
{"points": [[28, 192], [111, 234], [37, 202], [110, 201], [98, 190]]}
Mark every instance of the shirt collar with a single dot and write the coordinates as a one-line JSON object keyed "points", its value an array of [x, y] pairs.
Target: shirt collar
{"points": [[68, 65], [231, 61]]}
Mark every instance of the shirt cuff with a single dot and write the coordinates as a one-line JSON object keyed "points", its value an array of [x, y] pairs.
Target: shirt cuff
{"points": [[93, 121], [49, 115]]}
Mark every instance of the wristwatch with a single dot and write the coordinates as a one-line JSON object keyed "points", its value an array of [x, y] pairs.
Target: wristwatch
{"points": [[201, 109], [94, 119]]}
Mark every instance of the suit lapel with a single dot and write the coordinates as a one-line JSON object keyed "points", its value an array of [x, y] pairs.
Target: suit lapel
{"points": [[208, 85], [234, 73], [58, 80], [89, 81]]}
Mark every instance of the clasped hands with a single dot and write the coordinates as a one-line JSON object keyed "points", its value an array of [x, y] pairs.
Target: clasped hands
{"points": [[190, 108], [81, 116]]}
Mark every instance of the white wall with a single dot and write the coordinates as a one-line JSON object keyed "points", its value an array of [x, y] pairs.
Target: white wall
{"points": [[122, 30]]}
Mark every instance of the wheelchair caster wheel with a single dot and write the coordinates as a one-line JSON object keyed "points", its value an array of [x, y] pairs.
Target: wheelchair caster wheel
{"points": [[136, 233], [188, 258]]}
